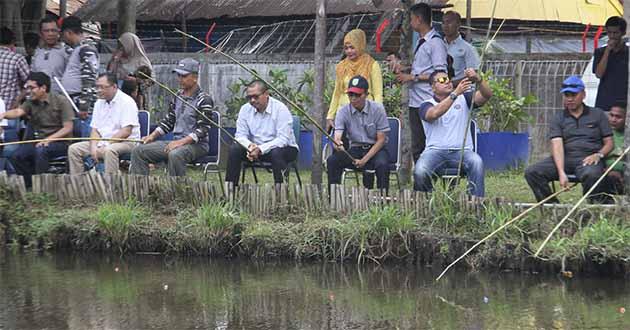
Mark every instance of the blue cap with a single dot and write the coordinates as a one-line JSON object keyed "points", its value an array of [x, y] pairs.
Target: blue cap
{"points": [[573, 84]]}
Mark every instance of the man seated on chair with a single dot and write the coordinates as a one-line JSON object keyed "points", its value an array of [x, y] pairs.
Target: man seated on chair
{"points": [[365, 124], [50, 116], [265, 127], [190, 128], [115, 116], [445, 119], [580, 140], [617, 121]]}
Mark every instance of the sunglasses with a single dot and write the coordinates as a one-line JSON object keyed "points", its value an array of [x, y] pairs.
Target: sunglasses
{"points": [[443, 80]]}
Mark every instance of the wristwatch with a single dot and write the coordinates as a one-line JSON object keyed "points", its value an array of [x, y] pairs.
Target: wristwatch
{"points": [[600, 155], [453, 96]]}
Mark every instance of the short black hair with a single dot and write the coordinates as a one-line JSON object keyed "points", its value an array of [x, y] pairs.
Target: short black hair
{"points": [[47, 19], [261, 84], [7, 37], [41, 79], [620, 104], [72, 23], [432, 76], [394, 53], [617, 21], [111, 78], [129, 86], [423, 11], [31, 39]]}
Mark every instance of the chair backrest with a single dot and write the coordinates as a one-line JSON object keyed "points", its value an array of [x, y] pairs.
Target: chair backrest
{"points": [[473, 134], [393, 142], [144, 117], [214, 136]]}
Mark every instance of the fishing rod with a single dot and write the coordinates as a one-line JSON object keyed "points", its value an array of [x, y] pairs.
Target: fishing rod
{"points": [[65, 93], [70, 139], [272, 87]]}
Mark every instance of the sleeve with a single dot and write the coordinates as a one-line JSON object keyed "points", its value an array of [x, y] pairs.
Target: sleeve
{"points": [[472, 58], [555, 128], [22, 70], [168, 123], [376, 82], [89, 69], [382, 125], [422, 111], [438, 54], [284, 128], [67, 113], [334, 101], [205, 105], [340, 120], [242, 129], [597, 56], [130, 116], [604, 125]]}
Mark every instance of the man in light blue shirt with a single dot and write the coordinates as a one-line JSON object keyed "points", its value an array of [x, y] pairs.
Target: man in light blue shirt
{"points": [[464, 54], [445, 121], [264, 131]]}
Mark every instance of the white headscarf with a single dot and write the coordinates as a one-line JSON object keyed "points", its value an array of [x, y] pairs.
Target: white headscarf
{"points": [[134, 55]]}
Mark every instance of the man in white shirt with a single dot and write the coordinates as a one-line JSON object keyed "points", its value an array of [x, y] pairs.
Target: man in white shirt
{"points": [[265, 126], [115, 116]]}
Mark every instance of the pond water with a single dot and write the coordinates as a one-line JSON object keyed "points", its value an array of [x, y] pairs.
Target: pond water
{"points": [[62, 291]]}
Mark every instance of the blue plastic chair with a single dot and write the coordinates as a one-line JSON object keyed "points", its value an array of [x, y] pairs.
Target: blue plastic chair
{"points": [[267, 165], [210, 161]]}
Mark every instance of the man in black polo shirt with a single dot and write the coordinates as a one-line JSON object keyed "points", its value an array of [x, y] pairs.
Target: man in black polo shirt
{"points": [[580, 139], [610, 65]]}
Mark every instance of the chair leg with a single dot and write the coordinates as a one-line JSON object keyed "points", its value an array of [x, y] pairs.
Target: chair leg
{"points": [[254, 173], [397, 179], [243, 173], [297, 174], [220, 181]]}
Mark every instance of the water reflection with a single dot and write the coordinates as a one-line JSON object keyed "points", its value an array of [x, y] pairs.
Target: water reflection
{"points": [[61, 291]]}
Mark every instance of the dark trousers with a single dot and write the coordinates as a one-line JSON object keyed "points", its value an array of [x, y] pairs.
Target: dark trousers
{"points": [[540, 174], [29, 159], [339, 161], [278, 157], [418, 139]]}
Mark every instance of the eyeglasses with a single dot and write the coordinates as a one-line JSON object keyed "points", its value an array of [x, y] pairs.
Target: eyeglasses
{"points": [[353, 95], [443, 80], [30, 88]]}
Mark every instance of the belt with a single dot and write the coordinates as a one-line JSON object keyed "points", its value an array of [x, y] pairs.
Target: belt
{"points": [[362, 146]]}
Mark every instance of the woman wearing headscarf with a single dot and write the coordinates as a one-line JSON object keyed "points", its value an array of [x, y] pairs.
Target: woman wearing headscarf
{"points": [[356, 62], [129, 56]]}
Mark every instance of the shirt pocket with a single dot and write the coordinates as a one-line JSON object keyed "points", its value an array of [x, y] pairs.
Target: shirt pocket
{"points": [[370, 130]]}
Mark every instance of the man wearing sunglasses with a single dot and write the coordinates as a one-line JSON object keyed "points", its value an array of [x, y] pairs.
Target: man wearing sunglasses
{"points": [[190, 129], [580, 139], [365, 124], [445, 121]]}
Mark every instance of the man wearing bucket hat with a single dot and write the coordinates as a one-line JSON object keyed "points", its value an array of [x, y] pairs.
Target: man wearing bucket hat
{"points": [[189, 128], [580, 139], [365, 124]]}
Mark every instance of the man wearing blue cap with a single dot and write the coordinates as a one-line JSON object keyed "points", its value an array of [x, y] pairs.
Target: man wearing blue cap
{"points": [[580, 139], [365, 124]]}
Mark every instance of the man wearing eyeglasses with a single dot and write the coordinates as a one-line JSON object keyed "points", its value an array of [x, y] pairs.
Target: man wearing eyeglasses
{"points": [[190, 128], [50, 116], [581, 138], [445, 120], [264, 131], [365, 124], [52, 56]]}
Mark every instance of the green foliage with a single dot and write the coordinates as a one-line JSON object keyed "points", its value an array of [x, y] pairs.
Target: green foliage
{"points": [[392, 94], [504, 111], [116, 220], [217, 218]]}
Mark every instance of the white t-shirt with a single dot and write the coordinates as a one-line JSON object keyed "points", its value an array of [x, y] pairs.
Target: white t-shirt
{"points": [[109, 117]]}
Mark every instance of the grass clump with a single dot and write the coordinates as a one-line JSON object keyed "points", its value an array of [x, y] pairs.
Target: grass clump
{"points": [[116, 221]]}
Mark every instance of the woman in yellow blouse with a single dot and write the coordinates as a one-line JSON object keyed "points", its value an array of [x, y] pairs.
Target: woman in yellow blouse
{"points": [[357, 62]]}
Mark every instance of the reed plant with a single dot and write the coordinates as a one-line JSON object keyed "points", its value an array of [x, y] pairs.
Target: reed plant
{"points": [[116, 220]]}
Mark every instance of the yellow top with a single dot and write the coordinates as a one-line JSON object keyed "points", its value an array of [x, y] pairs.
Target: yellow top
{"points": [[339, 97], [594, 12]]}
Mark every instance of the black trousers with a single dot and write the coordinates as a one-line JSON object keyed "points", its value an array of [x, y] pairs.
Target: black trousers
{"points": [[540, 174], [418, 139], [338, 161], [278, 157]]}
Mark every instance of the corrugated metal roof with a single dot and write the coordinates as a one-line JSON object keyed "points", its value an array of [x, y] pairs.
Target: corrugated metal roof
{"points": [[170, 10]]}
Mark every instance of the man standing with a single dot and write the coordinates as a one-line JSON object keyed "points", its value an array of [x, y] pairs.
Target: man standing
{"points": [[115, 116], [445, 120], [365, 124], [580, 140], [429, 56], [610, 65], [464, 54], [51, 57], [13, 69], [265, 126], [50, 116], [189, 127], [82, 67], [617, 121]]}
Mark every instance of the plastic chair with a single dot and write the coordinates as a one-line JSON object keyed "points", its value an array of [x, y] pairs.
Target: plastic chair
{"points": [[267, 165], [210, 161]]}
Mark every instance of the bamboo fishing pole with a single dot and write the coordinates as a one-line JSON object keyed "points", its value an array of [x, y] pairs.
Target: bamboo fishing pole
{"points": [[586, 195], [70, 139], [518, 217], [271, 86]]}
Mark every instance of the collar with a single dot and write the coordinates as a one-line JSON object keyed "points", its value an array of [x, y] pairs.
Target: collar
{"points": [[115, 98], [366, 108], [267, 109], [429, 34], [456, 40], [585, 111]]}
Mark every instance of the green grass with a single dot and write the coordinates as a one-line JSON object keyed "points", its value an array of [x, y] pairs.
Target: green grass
{"points": [[116, 220]]}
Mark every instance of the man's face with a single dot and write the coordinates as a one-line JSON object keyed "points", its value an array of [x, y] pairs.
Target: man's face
{"points": [[187, 81], [442, 85], [572, 101], [34, 92], [450, 25], [614, 33], [357, 100], [49, 32], [617, 118], [257, 98], [415, 22], [104, 89]]}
